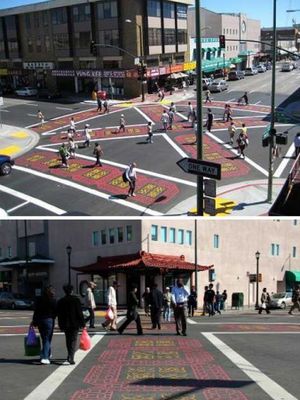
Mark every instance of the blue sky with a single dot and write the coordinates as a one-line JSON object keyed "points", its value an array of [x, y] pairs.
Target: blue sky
{"points": [[259, 9]]}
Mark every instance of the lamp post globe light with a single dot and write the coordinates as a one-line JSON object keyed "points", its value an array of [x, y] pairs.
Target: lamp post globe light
{"points": [[257, 255], [69, 252]]}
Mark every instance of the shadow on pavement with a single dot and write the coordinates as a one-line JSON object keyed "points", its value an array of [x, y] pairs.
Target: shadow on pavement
{"points": [[196, 384]]}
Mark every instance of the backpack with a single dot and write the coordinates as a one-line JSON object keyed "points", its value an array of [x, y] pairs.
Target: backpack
{"points": [[124, 177]]}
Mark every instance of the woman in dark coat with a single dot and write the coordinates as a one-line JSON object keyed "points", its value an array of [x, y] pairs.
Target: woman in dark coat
{"points": [[44, 318], [192, 302], [70, 319]]}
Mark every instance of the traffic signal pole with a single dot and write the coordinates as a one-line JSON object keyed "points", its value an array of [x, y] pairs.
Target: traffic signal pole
{"points": [[272, 123], [199, 133]]}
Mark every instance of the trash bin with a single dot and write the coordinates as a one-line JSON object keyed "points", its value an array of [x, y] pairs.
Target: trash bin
{"points": [[237, 300], [102, 94]]}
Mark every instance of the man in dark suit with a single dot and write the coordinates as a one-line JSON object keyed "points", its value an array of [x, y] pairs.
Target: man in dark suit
{"points": [[156, 301], [132, 313], [70, 319]]}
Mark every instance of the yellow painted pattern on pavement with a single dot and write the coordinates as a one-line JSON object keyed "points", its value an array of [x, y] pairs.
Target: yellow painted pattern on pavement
{"points": [[19, 135], [224, 207], [125, 105], [10, 150]]}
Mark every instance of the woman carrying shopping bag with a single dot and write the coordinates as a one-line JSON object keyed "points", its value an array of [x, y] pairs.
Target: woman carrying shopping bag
{"points": [[44, 318]]}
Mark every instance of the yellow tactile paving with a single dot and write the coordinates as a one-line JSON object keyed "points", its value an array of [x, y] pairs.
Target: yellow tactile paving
{"points": [[224, 207], [125, 105], [19, 135], [10, 150]]}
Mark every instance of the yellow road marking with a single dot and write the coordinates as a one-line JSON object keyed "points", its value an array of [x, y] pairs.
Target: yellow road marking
{"points": [[10, 150], [224, 207], [125, 105], [20, 135]]}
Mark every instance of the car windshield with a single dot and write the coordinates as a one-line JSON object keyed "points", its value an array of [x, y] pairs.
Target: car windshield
{"points": [[278, 295]]}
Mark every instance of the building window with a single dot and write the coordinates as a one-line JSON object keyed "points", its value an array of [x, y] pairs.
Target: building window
{"points": [[47, 43], [216, 241], [38, 45], [103, 236], [188, 237], [9, 252], [59, 16], [61, 41], [31, 249], [27, 21], [170, 37], [294, 252], [153, 8], [81, 13], [154, 36], [95, 238], [10, 22], [154, 233], [129, 233], [172, 235], [109, 37], [107, 9], [163, 234], [120, 234], [275, 249], [181, 11], [111, 233], [82, 39], [180, 236], [36, 19], [29, 46], [45, 18], [169, 9], [182, 37]]}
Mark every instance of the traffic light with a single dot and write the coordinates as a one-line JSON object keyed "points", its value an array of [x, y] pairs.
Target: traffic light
{"points": [[140, 71], [222, 42], [93, 48], [144, 71]]}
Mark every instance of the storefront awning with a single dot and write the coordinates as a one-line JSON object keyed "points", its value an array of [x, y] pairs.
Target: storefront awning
{"points": [[141, 261], [292, 277], [236, 60], [16, 261]]}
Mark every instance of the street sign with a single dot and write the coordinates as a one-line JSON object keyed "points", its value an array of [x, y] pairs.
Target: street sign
{"points": [[266, 133], [252, 278], [210, 187], [1, 101], [210, 206], [200, 167]]}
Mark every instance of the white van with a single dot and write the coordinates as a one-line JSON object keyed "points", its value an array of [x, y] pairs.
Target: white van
{"points": [[287, 67]]}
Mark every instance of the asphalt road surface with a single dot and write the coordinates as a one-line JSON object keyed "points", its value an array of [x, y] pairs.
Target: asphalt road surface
{"points": [[237, 355], [39, 185]]}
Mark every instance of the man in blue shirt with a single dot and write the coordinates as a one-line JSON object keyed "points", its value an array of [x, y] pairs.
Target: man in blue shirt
{"points": [[179, 298]]}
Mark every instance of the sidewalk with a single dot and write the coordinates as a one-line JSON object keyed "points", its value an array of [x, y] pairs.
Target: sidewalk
{"points": [[15, 141], [238, 199]]}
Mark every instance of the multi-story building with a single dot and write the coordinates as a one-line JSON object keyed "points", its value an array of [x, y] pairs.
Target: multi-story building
{"points": [[140, 252], [288, 38], [48, 44], [237, 28]]}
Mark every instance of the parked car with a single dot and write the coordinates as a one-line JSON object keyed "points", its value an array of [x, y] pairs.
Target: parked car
{"points": [[26, 91], [281, 300], [218, 86], [48, 94], [14, 301], [206, 82], [287, 67], [250, 71], [236, 75], [6, 164], [261, 68]]}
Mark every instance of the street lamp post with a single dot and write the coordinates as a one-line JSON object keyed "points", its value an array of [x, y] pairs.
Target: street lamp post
{"points": [[69, 251], [257, 255], [129, 21], [199, 138]]}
